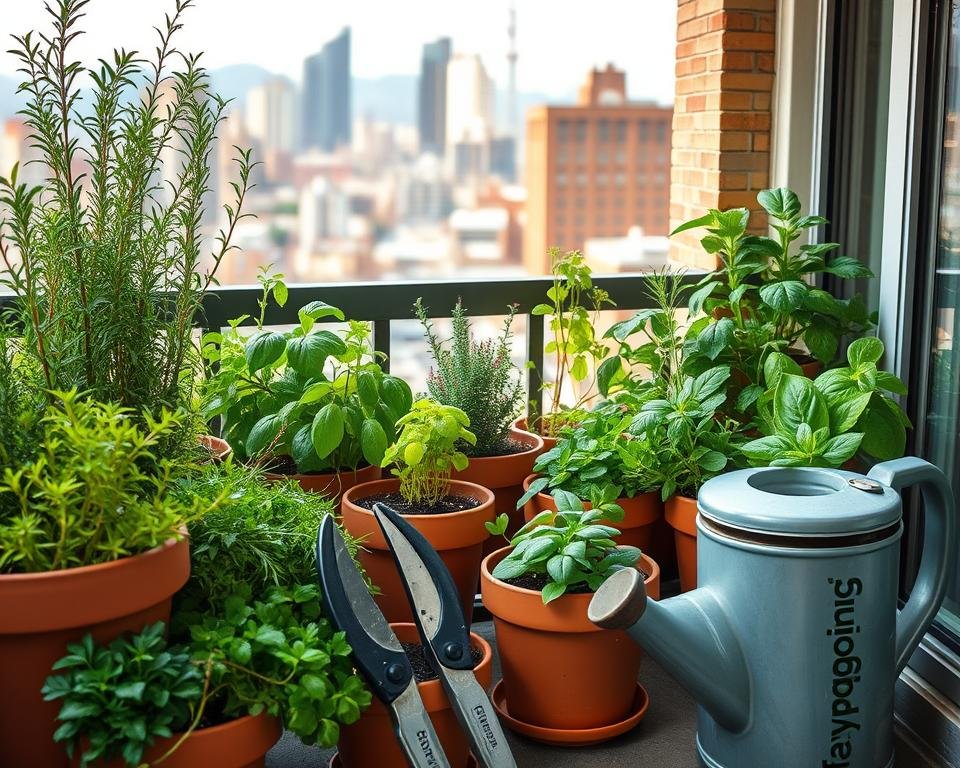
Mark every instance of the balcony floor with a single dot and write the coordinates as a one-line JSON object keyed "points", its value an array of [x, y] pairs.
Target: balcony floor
{"points": [[665, 739]]}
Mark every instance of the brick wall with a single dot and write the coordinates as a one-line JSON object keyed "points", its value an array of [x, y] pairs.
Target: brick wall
{"points": [[721, 124]]}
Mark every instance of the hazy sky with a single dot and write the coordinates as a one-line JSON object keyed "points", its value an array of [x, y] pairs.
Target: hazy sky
{"points": [[558, 40]]}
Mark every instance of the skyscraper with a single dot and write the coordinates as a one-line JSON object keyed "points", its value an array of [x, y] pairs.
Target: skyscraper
{"points": [[327, 114], [469, 101], [270, 114], [432, 97], [595, 169]]}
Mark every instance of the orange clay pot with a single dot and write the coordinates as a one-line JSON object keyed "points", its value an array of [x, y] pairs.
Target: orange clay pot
{"points": [[809, 366], [681, 513], [458, 538], [504, 476], [218, 447], [371, 742], [42, 612], [332, 484], [640, 515], [240, 743], [560, 671], [548, 442]]}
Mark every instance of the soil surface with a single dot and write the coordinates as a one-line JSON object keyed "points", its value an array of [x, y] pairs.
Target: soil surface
{"points": [[396, 501], [537, 581], [284, 465], [422, 663], [508, 447]]}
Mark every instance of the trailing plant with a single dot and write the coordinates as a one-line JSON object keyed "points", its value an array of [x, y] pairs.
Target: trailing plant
{"points": [[599, 459], [276, 655], [574, 306], [476, 377], [254, 535], [95, 492], [825, 422], [692, 440], [426, 451], [308, 393], [107, 262], [761, 298], [570, 548]]}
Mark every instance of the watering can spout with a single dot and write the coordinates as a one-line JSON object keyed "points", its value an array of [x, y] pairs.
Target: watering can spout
{"points": [[689, 636]]}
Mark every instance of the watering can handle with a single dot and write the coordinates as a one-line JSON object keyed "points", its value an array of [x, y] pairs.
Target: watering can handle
{"points": [[938, 545]]}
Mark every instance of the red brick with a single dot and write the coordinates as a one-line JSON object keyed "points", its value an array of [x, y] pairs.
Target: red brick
{"points": [[765, 62], [745, 121], [692, 28], [744, 161], [747, 81], [748, 41], [735, 141]]}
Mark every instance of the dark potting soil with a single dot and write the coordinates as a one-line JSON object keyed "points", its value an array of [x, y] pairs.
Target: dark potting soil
{"points": [[507, 447], [284, 465], [537, 581], [404, 507], [422, 663]]}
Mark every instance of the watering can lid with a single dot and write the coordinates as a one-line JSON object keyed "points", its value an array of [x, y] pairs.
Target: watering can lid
{"points": [[799, 501]]}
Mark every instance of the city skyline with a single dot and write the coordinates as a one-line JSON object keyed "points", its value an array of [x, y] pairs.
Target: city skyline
{"points": [[388, 38]]}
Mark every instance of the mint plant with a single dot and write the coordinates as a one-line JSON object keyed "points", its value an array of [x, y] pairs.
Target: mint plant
{"points": [[476, 377], [119, 699], [427, 450], [308, 393], [570, 548]]}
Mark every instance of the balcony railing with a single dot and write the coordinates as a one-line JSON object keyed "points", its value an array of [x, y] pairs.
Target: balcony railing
{"points": [[383, 302]]}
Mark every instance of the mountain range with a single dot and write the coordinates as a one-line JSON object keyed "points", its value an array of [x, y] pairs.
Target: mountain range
{"points": [[391, 99]]}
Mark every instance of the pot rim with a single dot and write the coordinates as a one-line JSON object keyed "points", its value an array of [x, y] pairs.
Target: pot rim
{"points": [[681, 512], [482, 496], [532, 439], [630, 501]]}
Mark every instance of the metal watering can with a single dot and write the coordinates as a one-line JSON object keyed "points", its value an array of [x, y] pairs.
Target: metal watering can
{"points": [[792, 643]]}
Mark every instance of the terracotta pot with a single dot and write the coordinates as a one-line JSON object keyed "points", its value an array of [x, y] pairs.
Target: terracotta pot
{"points": [[458, 537], [42, 612], [240, 743], [504, 476], [371, 741], [560, 671], [640, 514], [332, 484], [218, 447], [681, 513], [548, 442], [810, 366]]}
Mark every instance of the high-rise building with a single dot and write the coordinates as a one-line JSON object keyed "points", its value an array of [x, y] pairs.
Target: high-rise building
{"points": [[327, 117], [270, 115], [595, 169], [432, 96], [469, 101]]}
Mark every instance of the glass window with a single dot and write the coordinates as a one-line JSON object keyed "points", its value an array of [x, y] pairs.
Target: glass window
{"points": [[603, 131], [580, 130], [661, 132], [621, 132], [563, 130], [643, 131]]}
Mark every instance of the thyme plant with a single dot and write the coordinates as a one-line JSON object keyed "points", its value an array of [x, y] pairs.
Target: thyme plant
{"points": [[477, 377], [107, 257]]}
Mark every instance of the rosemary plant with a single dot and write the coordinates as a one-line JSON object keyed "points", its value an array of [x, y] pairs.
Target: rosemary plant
{"points": [[477, 377], [107, 258]]}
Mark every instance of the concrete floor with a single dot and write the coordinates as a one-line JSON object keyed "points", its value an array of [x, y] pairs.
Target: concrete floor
{"points": [[664, 739]]}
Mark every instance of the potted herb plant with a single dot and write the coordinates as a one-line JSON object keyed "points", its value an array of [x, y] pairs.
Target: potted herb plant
{"points": [[248, 651], [106, 277], [478, 378], [565, 680], [451, 514], [605, 466], [371, 741], [306, 402], [573, 304]]}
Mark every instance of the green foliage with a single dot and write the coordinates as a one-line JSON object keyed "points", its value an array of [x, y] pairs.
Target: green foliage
{"points": [[281, 656], [760, 300], [825, 422], [309, 393], [600, 457], [107, 280], [95, 492], [22, 403], [573, 304], [571, 547], [692, 441], [276, 655], [118, 700], [426, 451], [476, 377], [254, 535]]}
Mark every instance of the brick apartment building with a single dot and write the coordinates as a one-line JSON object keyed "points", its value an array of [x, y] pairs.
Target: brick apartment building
{"points": [[595, 169]]}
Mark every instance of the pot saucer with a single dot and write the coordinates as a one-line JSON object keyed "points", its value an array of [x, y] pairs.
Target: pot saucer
{"points": [[565, 737], [335, 761]]}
